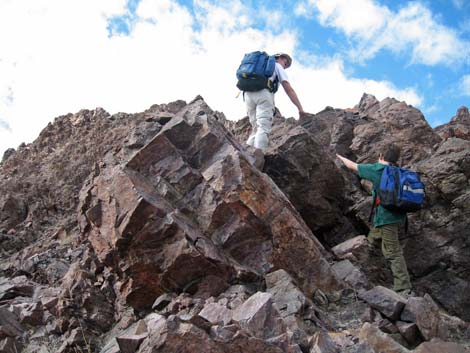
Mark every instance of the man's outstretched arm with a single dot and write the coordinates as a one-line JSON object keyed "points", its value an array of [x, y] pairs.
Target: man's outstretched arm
{"points": [[348, 163], [293, 97]]}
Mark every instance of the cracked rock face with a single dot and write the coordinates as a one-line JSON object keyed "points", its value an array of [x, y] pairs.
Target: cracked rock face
{"points": [[190, 205], [300, 159], [181, 244]]}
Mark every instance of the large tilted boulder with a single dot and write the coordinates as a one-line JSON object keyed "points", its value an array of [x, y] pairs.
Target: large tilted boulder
{"points": [[305, 171], [190, 205], [302, 165]]}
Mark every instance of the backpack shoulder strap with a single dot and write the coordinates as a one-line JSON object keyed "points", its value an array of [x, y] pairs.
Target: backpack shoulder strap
{"points": [[371, 214]]}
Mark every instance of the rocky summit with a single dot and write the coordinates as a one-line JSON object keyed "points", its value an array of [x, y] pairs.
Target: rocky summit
{"points": [[158, 232]]}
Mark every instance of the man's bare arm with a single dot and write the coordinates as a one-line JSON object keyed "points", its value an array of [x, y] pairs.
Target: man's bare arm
{"points": [[348, 163], [293, 97]]}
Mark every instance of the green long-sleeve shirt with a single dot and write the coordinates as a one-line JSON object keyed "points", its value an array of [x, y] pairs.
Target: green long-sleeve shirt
{"points": [[382, 216]]}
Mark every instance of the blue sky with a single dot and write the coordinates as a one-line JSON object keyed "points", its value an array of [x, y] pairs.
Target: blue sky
{"points": [[60, 56]]}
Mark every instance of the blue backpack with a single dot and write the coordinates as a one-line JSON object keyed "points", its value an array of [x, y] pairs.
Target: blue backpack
{"points": [[254, 72], [400, 190]]}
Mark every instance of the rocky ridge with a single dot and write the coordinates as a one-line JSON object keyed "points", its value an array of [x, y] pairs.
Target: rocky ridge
{"points": [[154, 232]]}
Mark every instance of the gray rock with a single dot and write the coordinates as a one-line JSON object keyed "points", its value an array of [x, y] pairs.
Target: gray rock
{"points": [[32, 314], [322, 343], [216, 314], [409, 331], [130, 343], [379, 340], [384, 300], [288, 298], [358, 243], [223, 334], [387, 326], [351, 275], [15, 287], [162, 301], [9, 324], [259, 317], [440, 347], [361, 347], [431, 320], [10, 345]]}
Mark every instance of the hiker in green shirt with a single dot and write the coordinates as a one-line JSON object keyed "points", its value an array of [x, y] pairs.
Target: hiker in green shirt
{"points": [[385, 222]]}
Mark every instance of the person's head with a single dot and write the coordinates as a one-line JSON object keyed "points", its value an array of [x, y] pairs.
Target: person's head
{"points": [[390, 153], [284, 59]]}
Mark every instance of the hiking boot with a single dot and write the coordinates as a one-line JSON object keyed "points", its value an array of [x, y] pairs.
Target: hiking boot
{"points": [[257, 157]]}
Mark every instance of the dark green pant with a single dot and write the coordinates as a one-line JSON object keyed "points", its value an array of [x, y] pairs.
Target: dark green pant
{"points": [[393, 253]]}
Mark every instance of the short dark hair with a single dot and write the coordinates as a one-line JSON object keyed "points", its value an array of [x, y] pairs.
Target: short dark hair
{"points": [[391, 153]]}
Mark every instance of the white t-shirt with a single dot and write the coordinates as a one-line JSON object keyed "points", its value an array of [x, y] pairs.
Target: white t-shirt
{"points": [[280, 73]]}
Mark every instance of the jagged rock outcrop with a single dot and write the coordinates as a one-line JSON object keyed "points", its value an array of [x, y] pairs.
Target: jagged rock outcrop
{"points": [[176, 242], [305, 171], [437, 247], [459, 126], [42, 180], [189, 210]]}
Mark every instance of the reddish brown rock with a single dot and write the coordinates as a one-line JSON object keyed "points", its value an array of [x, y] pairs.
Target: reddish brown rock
{"points": [[361, 132], [173, 206], [392, 121], [190, 205], [81, 298], [458, 126], [305, 171]]}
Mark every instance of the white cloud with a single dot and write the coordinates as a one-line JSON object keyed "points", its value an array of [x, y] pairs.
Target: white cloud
{"points": [[432, 42], [412, 29], [302, 10], [328, 85], [356, 18], [4, 125], [465, 85], [57, 57], [48, 61]]}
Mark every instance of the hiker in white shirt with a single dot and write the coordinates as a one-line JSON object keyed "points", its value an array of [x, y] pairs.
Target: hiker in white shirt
{"points": [[260, 104]]}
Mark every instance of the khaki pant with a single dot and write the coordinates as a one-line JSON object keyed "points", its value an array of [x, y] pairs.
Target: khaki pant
{"points": [[393, 253], [260, 109]]}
